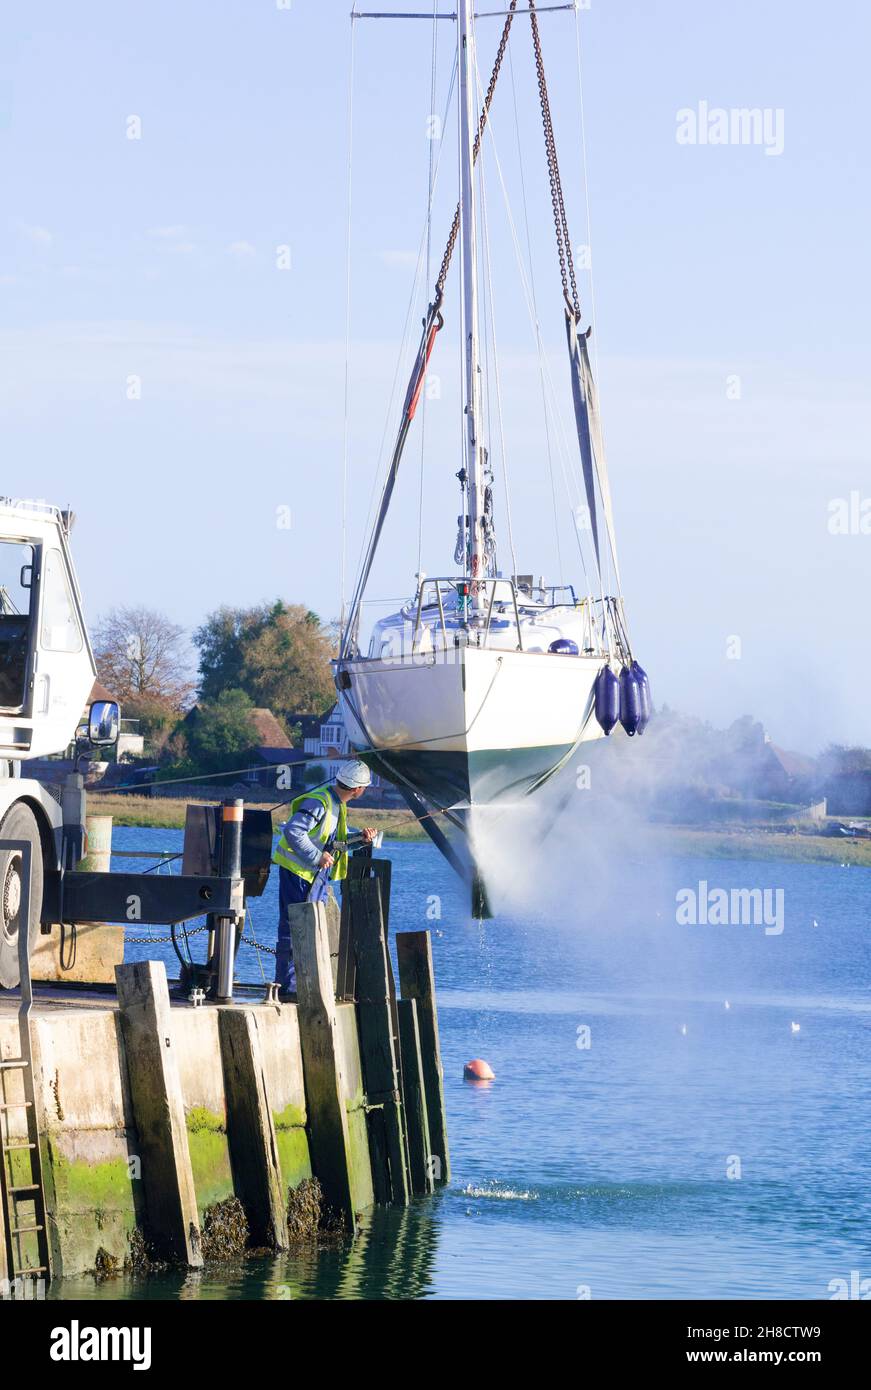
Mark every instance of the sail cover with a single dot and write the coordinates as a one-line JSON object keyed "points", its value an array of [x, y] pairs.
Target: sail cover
{"points": [[590, 442]]}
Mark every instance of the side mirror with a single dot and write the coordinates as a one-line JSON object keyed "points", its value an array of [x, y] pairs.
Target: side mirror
{"points": [[104, 721]]}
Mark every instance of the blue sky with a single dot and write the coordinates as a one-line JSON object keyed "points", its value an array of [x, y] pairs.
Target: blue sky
{"points": [[156, 258]]}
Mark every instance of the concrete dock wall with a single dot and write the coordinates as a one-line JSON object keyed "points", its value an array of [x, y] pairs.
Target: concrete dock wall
{"points": [[278, 1031], [195, 1036], [88, 1138], [151, 1112], [96, 1195]]}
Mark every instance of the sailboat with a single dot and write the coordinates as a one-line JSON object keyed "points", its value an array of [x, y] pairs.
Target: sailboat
{"points": [[478, 689]]}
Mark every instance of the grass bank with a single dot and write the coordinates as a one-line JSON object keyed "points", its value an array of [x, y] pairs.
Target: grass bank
{"points": [[761, 844], [166, 813]]}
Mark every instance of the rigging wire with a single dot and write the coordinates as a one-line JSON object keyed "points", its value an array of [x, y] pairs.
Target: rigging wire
{"points": [[490, 301], [564, 243], [593, 318], [446, 259], [566, 268], [403, 348], [563, 450], [537, 324], [347, 412], [429, 196]]}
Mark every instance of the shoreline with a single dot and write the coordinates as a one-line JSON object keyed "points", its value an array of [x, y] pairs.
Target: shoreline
{"points": [[168, 813]]}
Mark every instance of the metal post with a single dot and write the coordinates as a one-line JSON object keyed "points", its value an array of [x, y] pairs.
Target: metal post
{"points": [[231, 867], [99, 856]]}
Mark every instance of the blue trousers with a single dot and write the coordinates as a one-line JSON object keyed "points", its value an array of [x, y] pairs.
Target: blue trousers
{"points": [[292, 889]]}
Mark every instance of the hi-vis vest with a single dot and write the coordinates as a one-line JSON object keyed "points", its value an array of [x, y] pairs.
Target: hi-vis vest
{"points": [[284, 854]]}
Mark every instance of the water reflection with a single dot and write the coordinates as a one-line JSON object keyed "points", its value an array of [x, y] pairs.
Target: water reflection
{"points": [[393, 1256]]}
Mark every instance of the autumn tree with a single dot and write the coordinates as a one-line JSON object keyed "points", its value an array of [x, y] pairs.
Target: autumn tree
{"points": [[141, 658], [279, 654]]}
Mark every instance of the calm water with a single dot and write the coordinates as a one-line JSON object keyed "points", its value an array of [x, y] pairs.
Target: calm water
{"points": [[607, 1167]]}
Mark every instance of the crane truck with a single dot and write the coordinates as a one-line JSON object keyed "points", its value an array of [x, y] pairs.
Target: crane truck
{"points": [[47, 673]]}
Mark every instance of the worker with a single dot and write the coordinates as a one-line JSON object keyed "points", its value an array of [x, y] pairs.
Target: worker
{"points": [[312, 851]]}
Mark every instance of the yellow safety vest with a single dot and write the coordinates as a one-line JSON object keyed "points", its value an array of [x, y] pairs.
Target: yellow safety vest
{"points": [[284, 854]]}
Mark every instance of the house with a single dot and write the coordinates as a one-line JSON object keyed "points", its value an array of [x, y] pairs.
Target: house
{"points": [[274, 753], [786, 776], [750, 764], [272, 759], [325, 746]]}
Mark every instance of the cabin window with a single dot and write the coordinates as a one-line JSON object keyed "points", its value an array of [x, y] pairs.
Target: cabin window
{"points": [[59, 630], [16, 589]]}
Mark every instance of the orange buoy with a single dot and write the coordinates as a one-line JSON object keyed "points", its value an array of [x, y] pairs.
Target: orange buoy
{"points": [[477, 1070]]}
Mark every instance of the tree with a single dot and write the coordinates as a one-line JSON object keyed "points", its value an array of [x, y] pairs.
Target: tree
{"points": [[279, 654], [140, 656], [221, 733], [841, 761], [156, 719]]}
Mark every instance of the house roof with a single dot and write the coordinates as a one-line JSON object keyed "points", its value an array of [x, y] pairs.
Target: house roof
{"points": [[270, 731], [794, 764]]}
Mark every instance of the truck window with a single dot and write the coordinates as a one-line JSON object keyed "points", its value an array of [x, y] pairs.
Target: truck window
{"points": [[59, 629], [16, 562]]}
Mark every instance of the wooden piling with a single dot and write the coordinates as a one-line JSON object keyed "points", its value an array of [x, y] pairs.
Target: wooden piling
{"points": [[329, 1141], [332, 918], [414, 1099], [378, 1044], [251, 1132], [158, 1110], [417, 981]]}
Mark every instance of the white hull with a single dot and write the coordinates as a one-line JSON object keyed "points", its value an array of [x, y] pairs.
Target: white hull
{"points": [[476, 723]]}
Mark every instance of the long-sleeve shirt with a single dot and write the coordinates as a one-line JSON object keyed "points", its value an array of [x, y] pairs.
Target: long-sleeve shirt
{"points": [[306, 821]]}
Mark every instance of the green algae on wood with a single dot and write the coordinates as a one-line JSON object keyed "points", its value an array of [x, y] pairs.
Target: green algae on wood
{"points": [[210, 1157]]}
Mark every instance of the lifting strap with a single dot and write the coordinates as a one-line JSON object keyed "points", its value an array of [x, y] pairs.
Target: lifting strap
{"points": [[590, 441]]}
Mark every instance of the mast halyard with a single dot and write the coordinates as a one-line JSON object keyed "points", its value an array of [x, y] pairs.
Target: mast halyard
{"points": [[474, 461]]}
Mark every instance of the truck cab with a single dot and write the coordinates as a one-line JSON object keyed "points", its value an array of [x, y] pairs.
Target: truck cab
{"points": [[46, 663], [47, 671]]}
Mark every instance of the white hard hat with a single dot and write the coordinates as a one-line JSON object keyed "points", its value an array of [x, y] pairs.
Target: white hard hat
{"points": [[354, 774]]}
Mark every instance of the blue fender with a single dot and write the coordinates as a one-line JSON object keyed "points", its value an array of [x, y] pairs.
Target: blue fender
{"points": [[607, 690]]}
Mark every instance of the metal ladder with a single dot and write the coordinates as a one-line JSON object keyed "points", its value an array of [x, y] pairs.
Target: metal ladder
{"points": [[14, 1196]]}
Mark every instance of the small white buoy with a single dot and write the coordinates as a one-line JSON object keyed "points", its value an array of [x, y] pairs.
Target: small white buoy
{"points": [[796, 1027], [814, 922], [683, 1029], [727, 1005]]}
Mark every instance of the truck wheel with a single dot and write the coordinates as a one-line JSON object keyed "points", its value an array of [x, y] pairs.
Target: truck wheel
{"points": [[19, 823]]}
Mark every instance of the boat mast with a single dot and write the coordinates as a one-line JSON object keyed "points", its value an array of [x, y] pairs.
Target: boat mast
{"points": [[474, 464]]}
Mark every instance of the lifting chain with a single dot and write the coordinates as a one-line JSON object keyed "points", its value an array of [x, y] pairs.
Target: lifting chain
{"points": [[160, 940], [267, 950], [482, 122], [563, 241]]}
